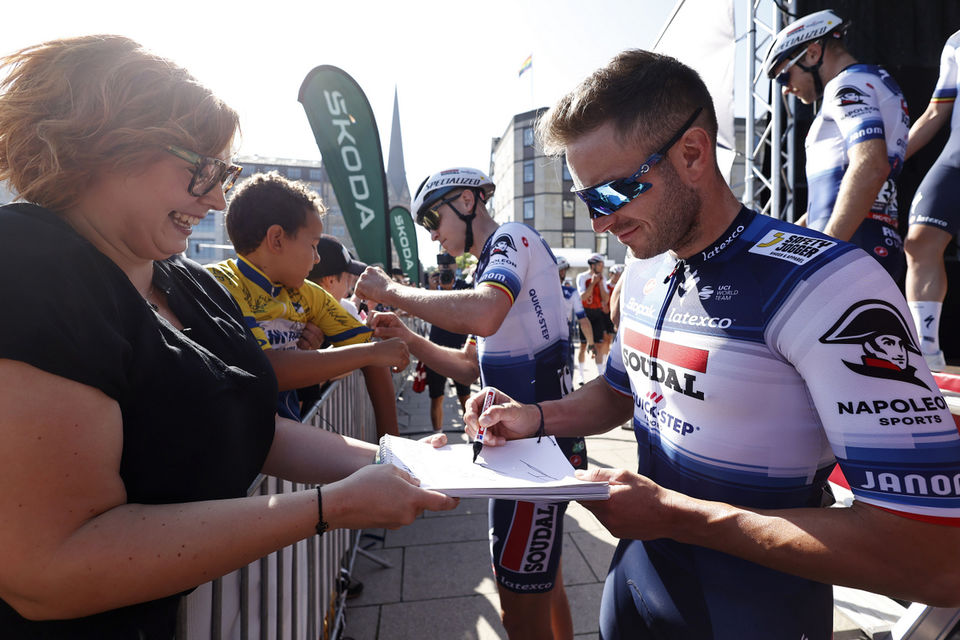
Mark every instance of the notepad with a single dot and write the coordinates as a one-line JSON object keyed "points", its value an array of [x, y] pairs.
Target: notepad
{"points": [[518, 470]]}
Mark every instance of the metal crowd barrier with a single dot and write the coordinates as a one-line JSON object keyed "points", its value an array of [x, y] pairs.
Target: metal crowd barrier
{"points": [[300, 591]]}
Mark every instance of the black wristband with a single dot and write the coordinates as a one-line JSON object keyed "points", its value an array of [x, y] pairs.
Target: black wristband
{"points": [[321, 525], [540, 431]]}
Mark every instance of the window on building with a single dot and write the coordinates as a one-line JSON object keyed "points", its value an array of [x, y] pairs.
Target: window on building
{"points": [[568, 240], [567, 207], [528, 210], [600, 243], [316, 175], [202, 251], [528, 171], [528, 136], [294, 173], [209, 223]]}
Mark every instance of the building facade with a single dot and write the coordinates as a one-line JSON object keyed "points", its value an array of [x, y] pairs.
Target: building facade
{"points": [[209, 241], [535, 189]]}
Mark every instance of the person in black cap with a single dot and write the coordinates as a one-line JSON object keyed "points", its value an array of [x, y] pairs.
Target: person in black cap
{"points": [[337, 271]]}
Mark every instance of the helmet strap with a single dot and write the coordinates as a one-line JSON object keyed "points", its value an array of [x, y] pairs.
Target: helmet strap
{"points": [[468, 220], [814, 70]]}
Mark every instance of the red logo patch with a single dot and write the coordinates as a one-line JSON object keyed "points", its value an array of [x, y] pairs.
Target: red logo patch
{"points": [[647, 288], [880, 251], [525, 243]]}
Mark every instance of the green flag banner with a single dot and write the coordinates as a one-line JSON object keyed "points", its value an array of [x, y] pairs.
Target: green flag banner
{"points": [[346, 133], [405, 240]]}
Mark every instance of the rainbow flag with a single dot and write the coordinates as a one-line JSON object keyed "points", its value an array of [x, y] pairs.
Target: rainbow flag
{"points": [[526, 65]]}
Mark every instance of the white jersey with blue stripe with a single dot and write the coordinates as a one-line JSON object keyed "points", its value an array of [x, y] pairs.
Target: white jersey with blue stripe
{"points": [[526, 355], [863, 102], [756, 364], [946, 90]]}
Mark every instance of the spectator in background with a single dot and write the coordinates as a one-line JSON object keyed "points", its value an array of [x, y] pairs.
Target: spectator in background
{"points": [[935, 213], [135, 407], [856, 144], [444, 279], [594, 297], [337, 272], [614, 316], [398, 276], [576, 316], [275, 225]]}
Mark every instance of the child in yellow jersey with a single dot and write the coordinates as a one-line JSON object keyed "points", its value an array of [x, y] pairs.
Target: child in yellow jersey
{"points": [[275, 225]]}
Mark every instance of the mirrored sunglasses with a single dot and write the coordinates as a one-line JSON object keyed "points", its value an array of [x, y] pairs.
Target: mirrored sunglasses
{"points": [[429, 218], [207, 172], [603, 199]]}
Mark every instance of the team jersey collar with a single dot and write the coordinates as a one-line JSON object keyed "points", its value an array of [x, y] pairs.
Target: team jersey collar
{"points": [[258, 277], [726, 240], [485, 255]]}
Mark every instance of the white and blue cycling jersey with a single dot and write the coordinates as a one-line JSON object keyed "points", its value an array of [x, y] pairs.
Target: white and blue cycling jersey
{"points": [[754, 366], [526, 355], [863, 102], [526, 358], [935, 202], [946, 91]]}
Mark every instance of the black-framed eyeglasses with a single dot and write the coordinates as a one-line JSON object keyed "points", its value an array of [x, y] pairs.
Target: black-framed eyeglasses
{"points": [[429, 218], [603, 199], [207, 172], [783, 78]]}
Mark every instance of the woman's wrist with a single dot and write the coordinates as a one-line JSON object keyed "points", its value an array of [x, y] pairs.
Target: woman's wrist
{"points": [[322, 525]]}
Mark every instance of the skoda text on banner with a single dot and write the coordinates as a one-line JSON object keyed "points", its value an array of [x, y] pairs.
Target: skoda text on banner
{"points": [[405, 240], [346, 133]]}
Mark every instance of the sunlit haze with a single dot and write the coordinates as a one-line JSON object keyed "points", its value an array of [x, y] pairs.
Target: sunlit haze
{"points": [[454, 65]]}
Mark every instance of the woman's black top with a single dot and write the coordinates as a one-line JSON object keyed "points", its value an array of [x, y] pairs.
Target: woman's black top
{"points": [[197, 405]]}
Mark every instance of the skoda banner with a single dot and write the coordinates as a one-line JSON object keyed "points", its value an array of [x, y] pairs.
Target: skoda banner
{"points": [[405, 240], [346, 133]]}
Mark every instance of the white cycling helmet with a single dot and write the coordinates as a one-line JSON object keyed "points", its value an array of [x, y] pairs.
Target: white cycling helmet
{"points": [[596, 257], [800, 33], [440, 184], [617, 268], [562, 263]]}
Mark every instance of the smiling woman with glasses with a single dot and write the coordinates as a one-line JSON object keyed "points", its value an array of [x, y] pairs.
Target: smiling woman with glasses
{"points": [[207, 172], [135, 405]]}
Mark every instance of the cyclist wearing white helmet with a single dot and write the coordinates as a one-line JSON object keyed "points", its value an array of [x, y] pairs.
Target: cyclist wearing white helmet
{"points": [[517, 311], [792, 42], [432, 194], [856, 144]]}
